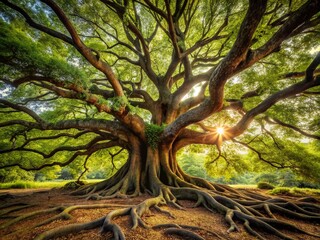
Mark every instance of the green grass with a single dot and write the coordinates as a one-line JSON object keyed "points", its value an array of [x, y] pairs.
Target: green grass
{"points": [[57, 184], [239, 186], [45, 184], [295, 191], [52, 184]]}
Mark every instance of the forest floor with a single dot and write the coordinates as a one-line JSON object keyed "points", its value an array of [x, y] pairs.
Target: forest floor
{"points": [[200, 217]]}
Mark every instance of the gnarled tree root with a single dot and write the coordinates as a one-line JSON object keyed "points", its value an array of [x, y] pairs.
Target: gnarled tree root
{"points": [[257, 214], [64, 212], [106, 223], [182, 230]]}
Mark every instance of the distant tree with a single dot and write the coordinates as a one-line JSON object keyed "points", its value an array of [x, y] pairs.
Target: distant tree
{"points": [[65, 174], [151, 78], [97, 174]]}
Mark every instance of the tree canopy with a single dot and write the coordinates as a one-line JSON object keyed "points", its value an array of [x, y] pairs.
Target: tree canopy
{"points": [[146, 80]]}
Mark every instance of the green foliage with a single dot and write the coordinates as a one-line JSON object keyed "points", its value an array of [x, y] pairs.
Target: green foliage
{"points": [[284, 151], [118, 102], [66, 174], [47, 174], [153, 133], [246, 178], [39, 177], [15, 174], [45, 184], [268, 177], [100, 165], [295, 191], [18, 185], [233, 162], [193, 164], [286, 178], [265, 185], [115, 103], [19, 50], [97, 174]]}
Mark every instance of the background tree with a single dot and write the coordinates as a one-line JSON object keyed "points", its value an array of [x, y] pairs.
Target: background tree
{"points": [[150, 78]]}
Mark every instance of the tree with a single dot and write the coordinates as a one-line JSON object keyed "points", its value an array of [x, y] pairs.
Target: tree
{"points": [[153, 77]]}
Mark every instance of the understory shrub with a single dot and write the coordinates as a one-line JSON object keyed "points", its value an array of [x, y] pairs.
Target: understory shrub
{"points": [[265, 185], [18, 184], [295, 191], [73, 185]]}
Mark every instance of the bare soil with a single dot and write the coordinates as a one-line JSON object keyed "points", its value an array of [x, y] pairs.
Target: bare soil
{"points": [[212, 222]]}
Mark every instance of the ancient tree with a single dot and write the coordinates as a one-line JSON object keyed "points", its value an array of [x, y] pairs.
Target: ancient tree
{"points": [[152, 78]]}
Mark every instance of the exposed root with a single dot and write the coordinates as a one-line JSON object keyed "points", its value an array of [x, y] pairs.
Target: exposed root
{"points": [[247, 212], [183, 230], [229, 219], [72, 228], [258, 214], [13, 208], [164, 211], [251, 231], [7, 205], [30, 215], [4, 197], [64, 212], [183, 233], [105, 223]]}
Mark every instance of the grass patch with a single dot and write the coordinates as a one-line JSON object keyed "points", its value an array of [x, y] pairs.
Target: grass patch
{"points": [[18, 184], [295, 191], [45, 184], [243, 186]]}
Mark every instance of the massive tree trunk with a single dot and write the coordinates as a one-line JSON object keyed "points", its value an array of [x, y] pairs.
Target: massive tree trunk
{"points": [[155, 171], [148, 169]]}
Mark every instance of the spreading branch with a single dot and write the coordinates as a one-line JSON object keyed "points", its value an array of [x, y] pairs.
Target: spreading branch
{"points": [[283, 124]]}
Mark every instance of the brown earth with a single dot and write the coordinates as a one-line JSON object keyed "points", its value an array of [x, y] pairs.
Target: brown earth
{"points": [[213, 223]]}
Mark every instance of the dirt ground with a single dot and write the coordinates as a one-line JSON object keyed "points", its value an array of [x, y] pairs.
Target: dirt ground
{"points": [[212, 222]]}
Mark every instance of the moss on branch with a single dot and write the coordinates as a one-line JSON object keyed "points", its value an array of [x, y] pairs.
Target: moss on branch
{"points": [[153, 133]]}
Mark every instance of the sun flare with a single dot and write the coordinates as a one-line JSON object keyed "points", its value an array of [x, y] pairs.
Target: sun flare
{"points": [[220, 130]]}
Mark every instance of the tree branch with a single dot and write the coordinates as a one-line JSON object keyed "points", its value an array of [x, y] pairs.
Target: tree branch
{"points": [[312, 67], [84, 50], [28, 111], [35, 25], [295, 20], [56, 150], [58, 87], [283, 124], [298, 74], [222, 72], [75, 136], [89, 151], [145, 60], [172, 30], [269, 102], [259, 154]]}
